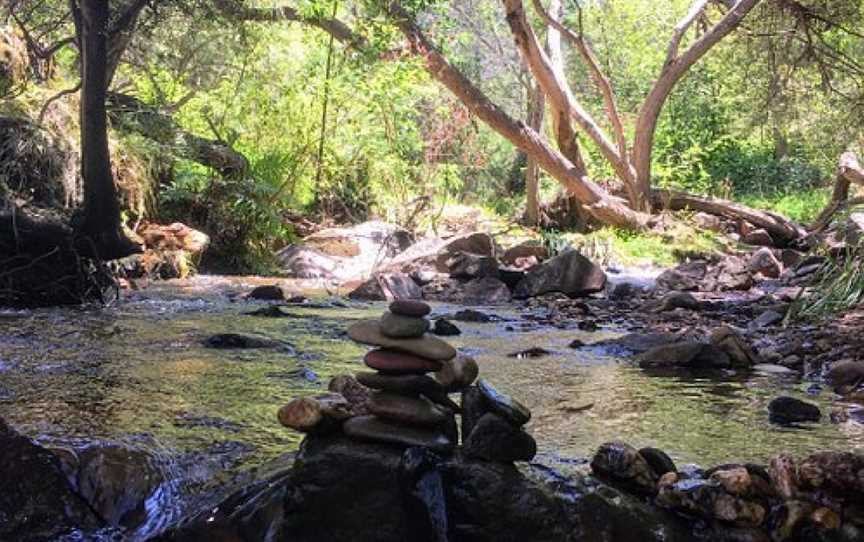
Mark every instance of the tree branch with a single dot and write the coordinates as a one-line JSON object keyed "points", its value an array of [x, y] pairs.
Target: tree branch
{"points": [[555, 86], [332, 26], [597, 202], [600, 79], [670, 74], [681, 28]]}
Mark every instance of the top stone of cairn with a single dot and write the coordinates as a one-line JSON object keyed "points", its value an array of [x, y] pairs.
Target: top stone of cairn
{"points": [[407, 307]]}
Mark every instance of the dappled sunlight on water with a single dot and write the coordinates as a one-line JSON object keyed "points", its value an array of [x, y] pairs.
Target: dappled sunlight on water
{"points": [[139, 372]]}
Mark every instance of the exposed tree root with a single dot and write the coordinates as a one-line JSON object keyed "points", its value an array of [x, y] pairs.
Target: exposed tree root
{"points": [[40, 266]]}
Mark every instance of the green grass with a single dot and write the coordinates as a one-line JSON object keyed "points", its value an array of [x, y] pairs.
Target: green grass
{"points": [[802, 206], [611, 246]]}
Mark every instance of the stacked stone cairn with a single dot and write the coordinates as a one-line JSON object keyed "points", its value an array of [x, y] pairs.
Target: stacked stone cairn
{"points": [[405, 399]]}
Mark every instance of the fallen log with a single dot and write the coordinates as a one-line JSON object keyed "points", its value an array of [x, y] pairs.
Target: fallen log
{"points": [[781, 229]]}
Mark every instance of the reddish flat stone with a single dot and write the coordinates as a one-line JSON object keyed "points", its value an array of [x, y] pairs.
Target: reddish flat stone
{"points": [[406, 307], [388, 361]]}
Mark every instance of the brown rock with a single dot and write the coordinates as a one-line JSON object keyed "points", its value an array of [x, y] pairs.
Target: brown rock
{"points": [[735, 480], [369, 332], [729, 341], [763, 261], [407, 307], [371, 428], [410, 385], [353, 391], [392, 362], [458, 373], [758, 237], [408, 410], [308, 414], [825, 518]]}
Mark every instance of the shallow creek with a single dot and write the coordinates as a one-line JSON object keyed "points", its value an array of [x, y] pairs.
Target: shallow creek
{"points": [[138, 373]]}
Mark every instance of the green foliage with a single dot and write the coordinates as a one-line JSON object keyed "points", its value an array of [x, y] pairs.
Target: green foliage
{"points": [[802, 206], [838, 287]]}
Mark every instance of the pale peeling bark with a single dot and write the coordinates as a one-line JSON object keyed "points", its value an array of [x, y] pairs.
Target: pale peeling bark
{"points": [[597, 202], [536, 112], [554, 84], [675, 67], [590, 59], [849, 171]]}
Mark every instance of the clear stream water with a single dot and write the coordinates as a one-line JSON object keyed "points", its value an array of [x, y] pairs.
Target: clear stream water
{"points": [[138, 373]]}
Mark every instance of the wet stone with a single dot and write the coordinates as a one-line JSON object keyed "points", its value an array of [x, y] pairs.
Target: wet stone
{"points": [[427, 346], [389, 361], [659, 460], [504, 405], [371, 428], [494, 439], [410, 385], [786, 410], [458, 373], [407, 307], [445, 328], [408, 410], [403, 327], [624, 463], [473, 408]]}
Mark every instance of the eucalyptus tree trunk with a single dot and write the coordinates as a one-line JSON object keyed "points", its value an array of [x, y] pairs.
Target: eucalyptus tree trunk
{"points": [[536, 112]]}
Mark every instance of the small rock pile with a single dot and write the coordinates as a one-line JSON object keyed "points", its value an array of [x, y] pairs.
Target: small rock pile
{"points": [[815, 498], [405, 399]]}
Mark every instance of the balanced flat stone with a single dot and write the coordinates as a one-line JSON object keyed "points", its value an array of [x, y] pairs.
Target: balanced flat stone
{"points": [[403, 327], [458, 373], [407, 307], [371, 428], [410, 385], [427, 346], [407, 410], [393, 362], [511, 409]]}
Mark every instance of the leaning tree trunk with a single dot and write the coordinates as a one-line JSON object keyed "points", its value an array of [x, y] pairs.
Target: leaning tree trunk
{"points": [[99, 231]]}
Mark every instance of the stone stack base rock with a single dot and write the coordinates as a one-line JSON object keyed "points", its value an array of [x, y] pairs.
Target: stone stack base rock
{"points": [[404, 400]]}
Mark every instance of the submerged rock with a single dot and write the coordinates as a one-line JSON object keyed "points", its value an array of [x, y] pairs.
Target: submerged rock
{"points": [[445, 328], [236, 340], [690, 354], [268, 292], [36, 501], [785, 410]]}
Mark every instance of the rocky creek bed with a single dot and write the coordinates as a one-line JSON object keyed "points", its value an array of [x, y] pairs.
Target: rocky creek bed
{"points": [[141, 381]]}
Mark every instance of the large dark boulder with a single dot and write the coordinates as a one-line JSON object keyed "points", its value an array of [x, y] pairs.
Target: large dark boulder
{"points": [[36, 500], [570, 273], [342, 490]]}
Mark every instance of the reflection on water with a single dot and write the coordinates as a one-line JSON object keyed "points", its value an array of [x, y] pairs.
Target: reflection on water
{"points": [[139, 372]]}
